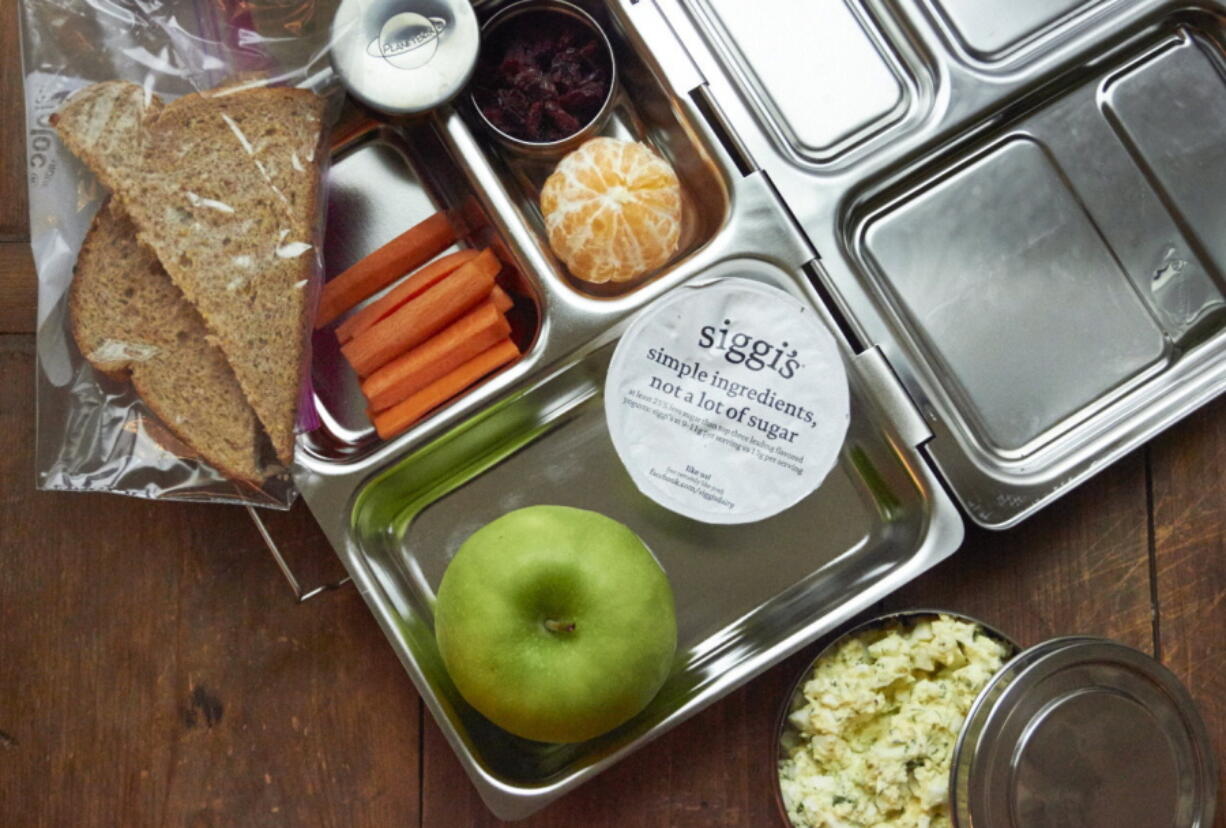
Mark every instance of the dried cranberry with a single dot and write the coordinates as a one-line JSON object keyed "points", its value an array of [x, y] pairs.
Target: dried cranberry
{"points": [[583, 98], [515, 103], [542, 76], [562, 119], [565, 70], [532, 125]]}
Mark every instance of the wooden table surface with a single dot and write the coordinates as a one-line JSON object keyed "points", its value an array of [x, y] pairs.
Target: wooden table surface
{"points": [[154, 669]]}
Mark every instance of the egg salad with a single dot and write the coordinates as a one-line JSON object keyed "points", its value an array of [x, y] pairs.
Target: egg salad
{"points": [[871, 743]]}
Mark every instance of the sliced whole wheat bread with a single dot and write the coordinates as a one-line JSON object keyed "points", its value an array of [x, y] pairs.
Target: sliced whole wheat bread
{"points": [[129, 319], [224, 188]]}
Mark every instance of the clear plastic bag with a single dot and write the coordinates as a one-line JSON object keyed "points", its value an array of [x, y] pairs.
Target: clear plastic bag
{"points": [[94, 432]]}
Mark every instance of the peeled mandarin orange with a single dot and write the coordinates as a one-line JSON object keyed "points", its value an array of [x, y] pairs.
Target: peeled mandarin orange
{"points": [[613, 210]]}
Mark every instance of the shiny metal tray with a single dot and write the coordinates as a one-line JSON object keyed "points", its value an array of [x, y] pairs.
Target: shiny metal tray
{"points": [[1019, 203], [1006, 214]]}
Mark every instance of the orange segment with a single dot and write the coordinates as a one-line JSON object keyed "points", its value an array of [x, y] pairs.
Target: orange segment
{"points": [[612, 210]]}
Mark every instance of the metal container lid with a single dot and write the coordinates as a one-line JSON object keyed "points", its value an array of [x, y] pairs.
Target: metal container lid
{"points": [[1086, 732], [403, 57]]}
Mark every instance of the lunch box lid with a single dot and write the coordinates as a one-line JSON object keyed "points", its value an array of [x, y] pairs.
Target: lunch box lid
{"points": [[404, 57], [1083, 731], [996, 245]]}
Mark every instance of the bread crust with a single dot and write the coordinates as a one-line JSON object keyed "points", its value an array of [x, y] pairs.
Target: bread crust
{"points": [[108, 257], [217, 185]]}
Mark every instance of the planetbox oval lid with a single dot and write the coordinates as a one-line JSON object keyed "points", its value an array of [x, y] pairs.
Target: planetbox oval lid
{"points": [[1087, 732], [404, 57]]}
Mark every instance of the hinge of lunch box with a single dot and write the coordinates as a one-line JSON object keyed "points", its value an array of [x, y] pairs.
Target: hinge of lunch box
{"points": [[804, 248], [753, 175], [714, 115], [887, 389]]}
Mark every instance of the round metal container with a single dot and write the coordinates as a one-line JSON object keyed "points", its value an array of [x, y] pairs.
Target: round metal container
{"points": [[795, 696], [1087, 732], [404, 57], [1074, 731], [592, 127]]}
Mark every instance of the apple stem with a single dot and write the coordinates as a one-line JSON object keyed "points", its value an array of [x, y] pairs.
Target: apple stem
{"points": [[559, 626]]}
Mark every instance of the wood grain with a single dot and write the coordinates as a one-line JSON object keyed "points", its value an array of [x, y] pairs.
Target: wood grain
{"points": [[1079, 566], [1189, 501], [156, 670], [18, 288], [14, 212]]}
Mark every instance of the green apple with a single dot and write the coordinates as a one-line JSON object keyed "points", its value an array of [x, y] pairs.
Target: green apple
{"points": [[556, 623]]}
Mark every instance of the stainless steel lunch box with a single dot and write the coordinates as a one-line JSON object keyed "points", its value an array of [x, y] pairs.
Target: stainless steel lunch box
{"points": [[1009, 213]]}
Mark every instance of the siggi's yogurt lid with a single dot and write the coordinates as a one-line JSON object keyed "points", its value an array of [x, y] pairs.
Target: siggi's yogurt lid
{"points": [[404, 56], [727, 402]]}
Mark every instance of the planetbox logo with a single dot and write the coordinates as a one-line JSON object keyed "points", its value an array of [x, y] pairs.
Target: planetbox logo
{"points": [[407, 40]]}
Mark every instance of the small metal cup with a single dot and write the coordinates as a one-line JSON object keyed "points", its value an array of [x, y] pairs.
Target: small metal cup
{"points": [[592, 127], [906, 618], [404, 57]]}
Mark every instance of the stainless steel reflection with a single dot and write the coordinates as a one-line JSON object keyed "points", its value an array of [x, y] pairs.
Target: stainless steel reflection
{"points": [[404, 57], [1012, 764], [991, 29], [775, 46], [1016, 234], [1096, 332], [1028, 242]]}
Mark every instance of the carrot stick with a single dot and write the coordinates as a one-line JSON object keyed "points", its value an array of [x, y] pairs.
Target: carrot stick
{"points": [[478, 330], [403, 292], [501, 300], [409, 250], [402, 415], [428, 313]]}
